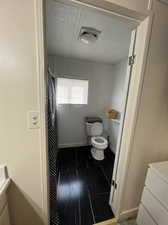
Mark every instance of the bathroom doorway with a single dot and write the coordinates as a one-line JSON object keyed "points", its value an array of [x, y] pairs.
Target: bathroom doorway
{"points": [[89, 70]]}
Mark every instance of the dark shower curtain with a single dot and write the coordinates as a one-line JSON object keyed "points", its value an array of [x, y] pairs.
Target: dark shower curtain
{"points": [[53, 149]]}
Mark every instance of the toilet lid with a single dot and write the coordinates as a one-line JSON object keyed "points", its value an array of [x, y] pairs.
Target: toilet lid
{"points": [[97, 129]]}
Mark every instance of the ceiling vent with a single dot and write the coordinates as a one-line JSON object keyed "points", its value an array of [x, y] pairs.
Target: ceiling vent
{"points": [[88, 35]]}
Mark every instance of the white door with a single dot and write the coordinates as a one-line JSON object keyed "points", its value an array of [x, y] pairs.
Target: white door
{"points": [[131, 57]]}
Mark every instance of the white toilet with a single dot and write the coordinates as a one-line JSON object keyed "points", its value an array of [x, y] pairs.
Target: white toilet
{"points": [[94, 129]]}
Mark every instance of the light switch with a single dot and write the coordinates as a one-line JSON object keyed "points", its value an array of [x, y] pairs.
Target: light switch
{"points": [[33, 120]]}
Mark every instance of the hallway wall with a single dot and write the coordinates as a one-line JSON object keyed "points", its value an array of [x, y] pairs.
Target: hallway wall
{"points": [[20, 147]]}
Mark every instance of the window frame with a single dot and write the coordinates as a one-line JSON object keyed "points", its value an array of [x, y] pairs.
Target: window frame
{"points": [[70, 102]]}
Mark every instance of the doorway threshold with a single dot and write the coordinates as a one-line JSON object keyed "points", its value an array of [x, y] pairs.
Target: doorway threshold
{"points": [[108, 222]]}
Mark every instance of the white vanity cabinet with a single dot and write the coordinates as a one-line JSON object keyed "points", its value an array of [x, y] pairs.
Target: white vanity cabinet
{"points": [[153, 209]]}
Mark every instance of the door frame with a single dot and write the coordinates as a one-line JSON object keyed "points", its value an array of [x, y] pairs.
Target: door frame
{"points": [[122, 119], [39, 14], [131, 115], [142, 43]]}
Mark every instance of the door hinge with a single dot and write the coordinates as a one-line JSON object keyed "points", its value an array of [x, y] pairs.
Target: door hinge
{"points": [[131, 60], [114, 184]]}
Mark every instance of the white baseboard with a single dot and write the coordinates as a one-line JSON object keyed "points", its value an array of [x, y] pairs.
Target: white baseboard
{"points": [[71, 145], [132, 213]]}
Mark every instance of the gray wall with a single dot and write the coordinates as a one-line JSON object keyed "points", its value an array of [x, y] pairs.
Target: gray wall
{"points": [[71, 117], [117, 97]]}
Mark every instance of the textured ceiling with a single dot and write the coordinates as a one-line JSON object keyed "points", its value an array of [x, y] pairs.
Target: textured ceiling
{"points": [[63, 26]]}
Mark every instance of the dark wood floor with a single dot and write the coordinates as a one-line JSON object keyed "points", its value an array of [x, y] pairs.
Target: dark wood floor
{"points": [[83, 187]]}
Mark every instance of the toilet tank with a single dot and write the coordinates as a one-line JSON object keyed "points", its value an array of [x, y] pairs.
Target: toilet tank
{"points": [[89, 121]]}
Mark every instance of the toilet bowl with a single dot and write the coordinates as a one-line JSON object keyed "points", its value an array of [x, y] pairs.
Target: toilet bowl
{"points": [[99, 144], [94, 128]]}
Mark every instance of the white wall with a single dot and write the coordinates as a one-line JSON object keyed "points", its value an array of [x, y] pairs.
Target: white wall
{"points": [[151, 134], [118, 85], [19, 146], [71, 130], [117, 98]]}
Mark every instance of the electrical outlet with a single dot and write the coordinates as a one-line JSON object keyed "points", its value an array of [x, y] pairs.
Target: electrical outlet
{"points": [[33, 120]]}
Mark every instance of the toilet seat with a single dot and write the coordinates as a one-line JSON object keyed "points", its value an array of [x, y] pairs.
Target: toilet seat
{"points": [[99, 142]]}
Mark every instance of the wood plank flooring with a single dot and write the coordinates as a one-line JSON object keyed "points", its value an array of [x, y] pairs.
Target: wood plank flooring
{"points": [[83, 186]]}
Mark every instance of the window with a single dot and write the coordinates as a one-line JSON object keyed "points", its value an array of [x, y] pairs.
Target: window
{"points": [[72, 91]]}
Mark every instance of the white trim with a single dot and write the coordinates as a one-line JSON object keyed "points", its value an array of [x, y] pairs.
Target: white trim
{"points": [[122, 119], [150, 4], [71, 145], [108, 222], [141, 51], [80, 144], [128, 214], [110, 8], [129, 15], [41, 89], [4, 186]]}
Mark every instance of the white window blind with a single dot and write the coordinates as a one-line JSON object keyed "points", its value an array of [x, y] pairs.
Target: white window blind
{"points": [[72, 91]]}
